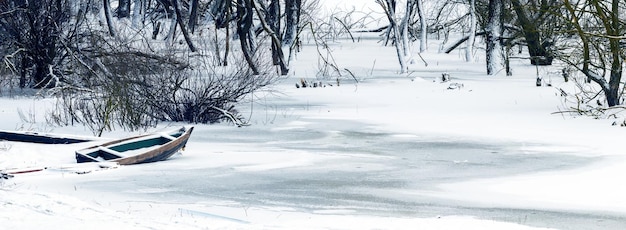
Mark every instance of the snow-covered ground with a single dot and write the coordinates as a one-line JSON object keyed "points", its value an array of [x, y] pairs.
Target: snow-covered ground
{"points": [[388, 152]]}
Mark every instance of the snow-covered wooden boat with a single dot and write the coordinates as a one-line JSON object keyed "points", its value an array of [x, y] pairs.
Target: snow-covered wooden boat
{"points": [[40, 138], [139, 149]]}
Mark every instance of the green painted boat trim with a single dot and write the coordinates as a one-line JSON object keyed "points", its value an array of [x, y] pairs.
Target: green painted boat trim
{"points": [[139, 149]]}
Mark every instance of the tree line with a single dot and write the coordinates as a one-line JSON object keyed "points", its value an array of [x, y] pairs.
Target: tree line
{"points": [[103, 58], [35, 34], [589, 36]]}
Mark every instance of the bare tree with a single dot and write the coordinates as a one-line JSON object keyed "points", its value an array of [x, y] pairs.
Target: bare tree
{"points": [[389, 6], [162, 84], [530, 17], [33, 30], [134, 80], [460, 16], [271, 28], [599, 29]]}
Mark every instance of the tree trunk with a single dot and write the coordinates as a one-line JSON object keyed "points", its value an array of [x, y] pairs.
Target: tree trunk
{"points": [[44, 26], [221, 12], [193, 16], [123, 9], [406, 20], [537, 50], [614, 31], [494, 33], [107, 15], [40, 75], [273, 21], [388, 7], [277, 53], [23, 71], [183, 28], [137, 13], [292, 19], [156, 29], [472, 33], [423, 27], [171, 34], [227, 48], [244, 23]]}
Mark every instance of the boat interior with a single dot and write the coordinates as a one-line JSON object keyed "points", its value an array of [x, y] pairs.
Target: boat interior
{"points": [[127, 148]]}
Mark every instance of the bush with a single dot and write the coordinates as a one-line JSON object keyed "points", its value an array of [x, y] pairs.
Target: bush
{"points": [[116, 85]]}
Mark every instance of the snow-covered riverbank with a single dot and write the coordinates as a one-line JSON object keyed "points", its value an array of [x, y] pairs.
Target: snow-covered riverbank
{"points": [[389, 152]]}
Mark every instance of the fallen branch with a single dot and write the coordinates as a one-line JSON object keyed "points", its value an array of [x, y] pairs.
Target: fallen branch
{"points": [[594, 111], [7, 60], [351, 74], [332, 63], [345, 27], [423, 60], [459, 42], [378, 30], [231, 116]]}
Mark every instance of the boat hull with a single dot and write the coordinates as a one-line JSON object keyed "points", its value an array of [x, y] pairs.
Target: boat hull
{"points": [[157, 148], [39, 138]]}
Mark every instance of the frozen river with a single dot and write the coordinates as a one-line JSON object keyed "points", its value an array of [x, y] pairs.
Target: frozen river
{"points": [[398, 146], [353, 170]]}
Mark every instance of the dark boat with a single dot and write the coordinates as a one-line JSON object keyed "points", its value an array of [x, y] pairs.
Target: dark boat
{"points": [[139, 149], [40, 138]]}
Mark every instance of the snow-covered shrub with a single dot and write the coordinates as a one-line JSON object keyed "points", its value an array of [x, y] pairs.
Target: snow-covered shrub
{"points": [[203, 93], [581, 98], [121, 84]]}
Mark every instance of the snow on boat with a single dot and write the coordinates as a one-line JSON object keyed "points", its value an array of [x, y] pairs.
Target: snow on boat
{"points": [[40, 138], [139, 149]]}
